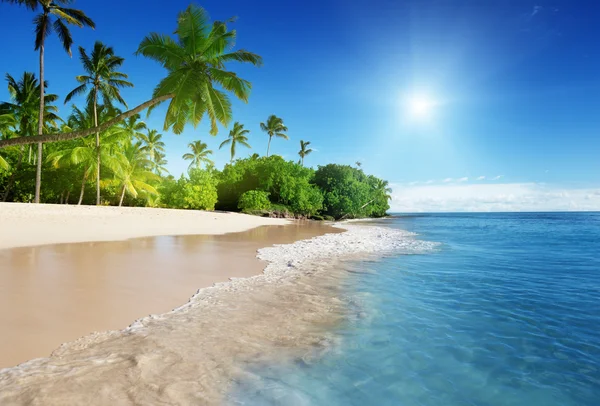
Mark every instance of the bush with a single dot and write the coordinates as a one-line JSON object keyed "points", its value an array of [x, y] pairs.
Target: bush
{"points": [[253, 201], [287, 183], [198, 192]]}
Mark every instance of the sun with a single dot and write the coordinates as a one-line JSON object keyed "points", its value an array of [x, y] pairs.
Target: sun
{"points": [[420, 106]]}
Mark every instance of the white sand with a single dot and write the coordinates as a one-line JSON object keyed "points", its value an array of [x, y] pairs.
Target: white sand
{"points": [[24, 225]]}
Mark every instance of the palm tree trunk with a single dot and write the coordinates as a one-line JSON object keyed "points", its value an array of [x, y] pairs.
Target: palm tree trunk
{"points": [[38, 172], [67, 198], [62, 197], [12, 175], [82, 187], [122, 196], [88, 131], [302, 161], [269, 145], [97, 146]]}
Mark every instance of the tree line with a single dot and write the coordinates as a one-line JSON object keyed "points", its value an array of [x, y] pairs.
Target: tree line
{"points": [[106, 145]]}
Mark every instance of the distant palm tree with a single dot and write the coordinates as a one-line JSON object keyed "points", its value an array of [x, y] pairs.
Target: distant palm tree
{"points": [[53, 17], [101, 81], [236, 136], [358, 164], [304, 151], [152, 144], [160, 164], [199, 154], [274, 127], [24, 107], [134, 173], [132, 127]]}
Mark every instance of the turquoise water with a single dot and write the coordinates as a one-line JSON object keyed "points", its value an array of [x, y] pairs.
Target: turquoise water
{"points": [[505, 312]]}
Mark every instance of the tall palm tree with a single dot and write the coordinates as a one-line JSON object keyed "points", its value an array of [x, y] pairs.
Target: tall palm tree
{"points": [[134, 173], [152, 144], [24, 106], [82, 152], [274, 127], [196, 68], [236, 136], [304, 151], [102, 80], [132, 127], [199, 155], [53, 17]]}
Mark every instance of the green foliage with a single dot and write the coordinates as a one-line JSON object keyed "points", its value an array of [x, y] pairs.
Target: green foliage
{"points": [[198, 192], [287, 183], [349, 193], [195, 62], [253, 201]]}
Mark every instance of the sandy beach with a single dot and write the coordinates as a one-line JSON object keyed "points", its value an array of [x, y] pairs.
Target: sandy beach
{"points": [[55, 293], [84, 294], [23, 225]]}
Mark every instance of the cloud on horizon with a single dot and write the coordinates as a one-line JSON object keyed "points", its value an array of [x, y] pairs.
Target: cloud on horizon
{"points": [[492, 197]]}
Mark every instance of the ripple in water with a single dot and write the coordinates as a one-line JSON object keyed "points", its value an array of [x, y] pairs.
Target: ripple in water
{"points": [[507, 312]]}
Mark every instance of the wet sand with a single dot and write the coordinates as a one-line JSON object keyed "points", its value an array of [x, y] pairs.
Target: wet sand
{"points": [[54, 294]]}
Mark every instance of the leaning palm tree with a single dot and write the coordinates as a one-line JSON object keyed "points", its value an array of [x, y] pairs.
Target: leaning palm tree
{"points": [[304, 151], [199, 155], [152, 144], [196, 68], [134, 174], [274, 127], [53, 17], [102, 80], [24, 106], [236, 136]]}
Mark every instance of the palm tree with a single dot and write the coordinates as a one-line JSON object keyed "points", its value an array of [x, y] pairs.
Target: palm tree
{"points": [[101, 79], [195, 62], [199, 154], [7, 122], [358, 164], [236, 136], [159, 164], [53, 17], [83, 151], [274, 127], [303, 151], [24, 107], [133, 127], [153, 145], [134, 173]]}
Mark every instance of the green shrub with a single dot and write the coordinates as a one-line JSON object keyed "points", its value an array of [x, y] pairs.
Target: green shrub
{"points": [[198, 192], [253, 201]]}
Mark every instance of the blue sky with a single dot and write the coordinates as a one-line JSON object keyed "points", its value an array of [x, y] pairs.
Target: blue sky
{"points": [[514, 88]]}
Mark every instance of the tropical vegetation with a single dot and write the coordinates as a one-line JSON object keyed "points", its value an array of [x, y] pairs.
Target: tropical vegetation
{"points": [[99, 154]]}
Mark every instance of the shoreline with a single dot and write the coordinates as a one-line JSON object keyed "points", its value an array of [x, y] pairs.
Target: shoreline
{"points": [[103, 286], [290, 306], [27, 225]]}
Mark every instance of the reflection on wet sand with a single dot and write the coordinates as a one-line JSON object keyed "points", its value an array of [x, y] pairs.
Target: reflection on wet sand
{"points": [[57, 293]]}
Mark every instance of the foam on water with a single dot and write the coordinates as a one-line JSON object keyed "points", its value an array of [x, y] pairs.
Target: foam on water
{"points": [[192, 354]]}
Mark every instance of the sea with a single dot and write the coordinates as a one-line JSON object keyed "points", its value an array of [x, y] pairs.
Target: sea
{"points": [[504, 311]]}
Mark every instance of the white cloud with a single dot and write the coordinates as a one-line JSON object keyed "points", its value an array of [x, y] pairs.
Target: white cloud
{"points": [[465, 179], [536, 10], [429, 182], [447, 180], [497, 177], [481, 178], [492, 197], [414, 183]]}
